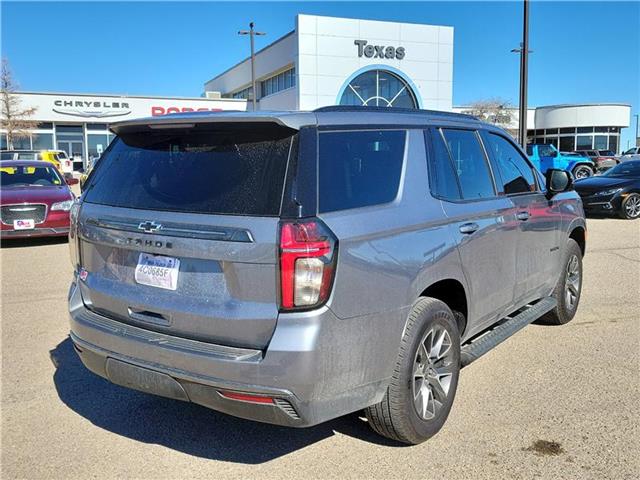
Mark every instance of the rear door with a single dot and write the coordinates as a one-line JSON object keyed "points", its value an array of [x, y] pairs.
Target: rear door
{"points": [[178, 231], [482, 222]]}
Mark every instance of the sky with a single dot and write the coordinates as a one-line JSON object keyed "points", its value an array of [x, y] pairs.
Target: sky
{"points": [[582, 51]]}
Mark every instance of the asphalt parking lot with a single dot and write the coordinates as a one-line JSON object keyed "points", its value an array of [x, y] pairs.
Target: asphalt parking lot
{"points": [[576, 386]]}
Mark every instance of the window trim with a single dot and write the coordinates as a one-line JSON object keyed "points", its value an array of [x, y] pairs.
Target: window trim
{"points": [[524, 157], [496, 196]]}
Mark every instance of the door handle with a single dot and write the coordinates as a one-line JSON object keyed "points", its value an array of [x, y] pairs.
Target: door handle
{"points": [[524, 216], [469, 228]]}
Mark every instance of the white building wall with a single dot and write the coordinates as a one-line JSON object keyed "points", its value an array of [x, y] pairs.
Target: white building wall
{"points": [[598, 115], [283, 100], [327, 57], [323, 52], [69, 107], [277, 56]]}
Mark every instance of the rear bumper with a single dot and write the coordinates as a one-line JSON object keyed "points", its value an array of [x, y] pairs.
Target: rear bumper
{"points": [[311, 372]]}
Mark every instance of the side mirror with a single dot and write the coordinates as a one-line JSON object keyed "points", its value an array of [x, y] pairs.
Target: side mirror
{"points": [[72, 181], [558, 181]]}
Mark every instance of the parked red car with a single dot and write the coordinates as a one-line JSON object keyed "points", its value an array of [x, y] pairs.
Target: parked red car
{"points": [[34, 200], [604, 159]]}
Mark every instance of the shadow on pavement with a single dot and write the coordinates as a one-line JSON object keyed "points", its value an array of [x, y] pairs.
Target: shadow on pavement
{"points": [[32, 242], [186, 427]]}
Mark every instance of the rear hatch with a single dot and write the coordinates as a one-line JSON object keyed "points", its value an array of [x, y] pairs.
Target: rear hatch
{"points": [[178, 230]]}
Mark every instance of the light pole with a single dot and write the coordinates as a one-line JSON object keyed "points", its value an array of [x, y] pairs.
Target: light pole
{"points": [[252, 33], [637, 130], [524, 72]]}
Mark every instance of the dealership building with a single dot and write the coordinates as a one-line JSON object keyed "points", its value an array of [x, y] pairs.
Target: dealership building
{"points": [[79, 123], [592, 126], [323, 61]]}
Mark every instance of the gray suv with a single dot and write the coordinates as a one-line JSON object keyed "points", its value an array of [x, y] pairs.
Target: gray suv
{"points": [[293, 267]]}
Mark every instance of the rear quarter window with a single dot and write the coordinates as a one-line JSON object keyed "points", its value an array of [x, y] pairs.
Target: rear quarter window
{"points": [[359, 168]]}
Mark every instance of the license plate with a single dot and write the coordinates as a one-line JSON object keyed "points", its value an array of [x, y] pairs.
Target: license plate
{"points": [[157, 271], [28, 224]]}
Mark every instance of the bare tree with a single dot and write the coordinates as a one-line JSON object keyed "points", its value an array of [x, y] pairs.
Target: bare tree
{"points": [[493, 110], [15, 120]]}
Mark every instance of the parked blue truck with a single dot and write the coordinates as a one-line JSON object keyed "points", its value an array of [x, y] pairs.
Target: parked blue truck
{"points": [[547, 156]]}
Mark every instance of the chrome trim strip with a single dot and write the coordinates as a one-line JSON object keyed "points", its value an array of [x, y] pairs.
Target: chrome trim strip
{"points": [[223, 234], [46, 210]]}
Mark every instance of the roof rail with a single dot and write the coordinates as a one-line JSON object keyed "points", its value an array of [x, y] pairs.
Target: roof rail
{"points": [[361, 108]]}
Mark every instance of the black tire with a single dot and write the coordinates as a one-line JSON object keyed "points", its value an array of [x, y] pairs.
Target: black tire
{"points": [[396, 416], [626, 210], [565, 310], [582, 171]]}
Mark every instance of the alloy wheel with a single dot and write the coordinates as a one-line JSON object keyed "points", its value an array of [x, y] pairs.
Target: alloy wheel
{"points": [[583, 172], [572, 283], [433, 369], [632, 206]]}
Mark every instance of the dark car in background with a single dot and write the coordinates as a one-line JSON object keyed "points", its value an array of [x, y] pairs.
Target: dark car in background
{"points": [[603, 159], [615, 192], [34, 200]]}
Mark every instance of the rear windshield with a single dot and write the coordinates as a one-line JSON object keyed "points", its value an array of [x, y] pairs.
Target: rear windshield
{"points": [[216, 171]]}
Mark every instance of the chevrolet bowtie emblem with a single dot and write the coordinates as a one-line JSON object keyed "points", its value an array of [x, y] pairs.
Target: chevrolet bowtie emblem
{"points": [[149, 227]]}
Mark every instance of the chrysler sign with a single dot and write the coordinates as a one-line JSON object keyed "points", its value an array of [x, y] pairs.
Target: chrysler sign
{"points": [[58, 107], [378, 51], [91, 108]]}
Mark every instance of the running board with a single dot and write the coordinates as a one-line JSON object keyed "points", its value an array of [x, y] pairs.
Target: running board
{"points": [[477, 347]]}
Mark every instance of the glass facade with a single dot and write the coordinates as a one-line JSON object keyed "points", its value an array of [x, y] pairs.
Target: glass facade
{"points": [[578, 138], [278, 82], [42, 141], [379, 88], [244, 94], [83, 143]]}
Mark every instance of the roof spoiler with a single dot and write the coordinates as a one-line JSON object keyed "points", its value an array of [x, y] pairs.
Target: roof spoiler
{"points": [[292, 120]]}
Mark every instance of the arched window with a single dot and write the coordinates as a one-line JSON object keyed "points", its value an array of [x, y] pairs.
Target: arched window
{"points": [[379, 88]]}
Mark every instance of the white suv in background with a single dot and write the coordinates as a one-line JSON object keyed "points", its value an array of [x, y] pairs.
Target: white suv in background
{"points": [[631, 154]]}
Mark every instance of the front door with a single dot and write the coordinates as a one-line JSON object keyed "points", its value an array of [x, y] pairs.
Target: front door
{"points": [[74, 151], [481, 222], [537, 252]]}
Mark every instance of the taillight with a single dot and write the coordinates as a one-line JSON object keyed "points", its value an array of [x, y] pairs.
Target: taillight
{"points": [[74, 248], [308, 251]]}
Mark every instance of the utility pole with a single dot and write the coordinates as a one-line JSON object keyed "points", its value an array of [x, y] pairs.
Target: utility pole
{"points": [[252, 33], [524, 72], [637, 130]]}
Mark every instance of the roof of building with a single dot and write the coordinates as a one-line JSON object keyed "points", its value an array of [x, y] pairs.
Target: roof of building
{"points": [[114, 95]]}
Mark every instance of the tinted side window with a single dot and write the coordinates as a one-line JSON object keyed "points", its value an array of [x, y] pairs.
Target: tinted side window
{"points": [[444, 183], [546, 151], [517, 176], [357, 169], [469, 163]]}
